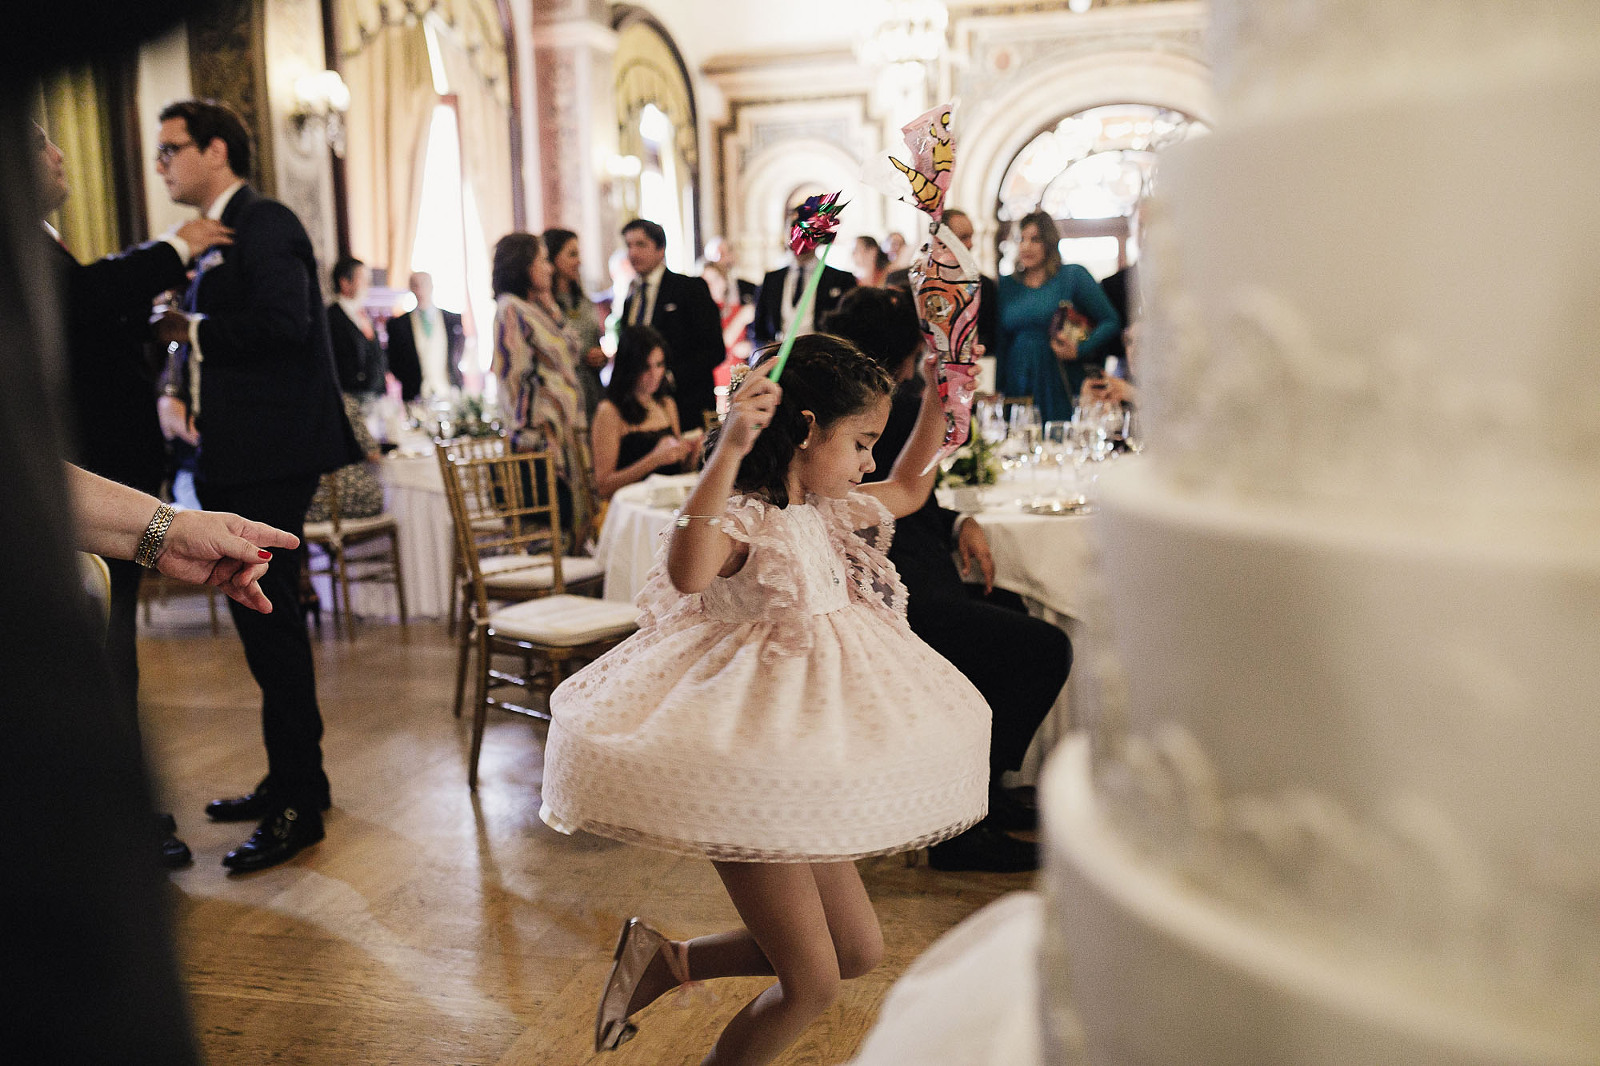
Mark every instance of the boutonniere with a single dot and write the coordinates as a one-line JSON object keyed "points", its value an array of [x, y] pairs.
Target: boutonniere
{"points": [[670, 307]]}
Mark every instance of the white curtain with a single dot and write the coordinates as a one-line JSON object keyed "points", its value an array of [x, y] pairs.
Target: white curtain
{"points": [[391, 103]]}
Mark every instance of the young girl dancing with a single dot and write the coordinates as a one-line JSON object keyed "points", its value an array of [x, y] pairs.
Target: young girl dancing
{"points": [[774, 712]]}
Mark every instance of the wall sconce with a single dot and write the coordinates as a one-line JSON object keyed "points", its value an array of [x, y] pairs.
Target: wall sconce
{"points": [[320, 103]]}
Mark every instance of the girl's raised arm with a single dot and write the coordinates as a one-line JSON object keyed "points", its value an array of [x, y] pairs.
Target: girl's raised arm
{"points": [[907, 487], [700, 550]]}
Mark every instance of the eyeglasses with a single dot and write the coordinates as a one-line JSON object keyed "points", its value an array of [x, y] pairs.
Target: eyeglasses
{"points": [[165, 152]]}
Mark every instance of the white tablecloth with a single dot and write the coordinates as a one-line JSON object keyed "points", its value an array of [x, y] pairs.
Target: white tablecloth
{"points": [[1049, 560], [414, 494], [637, 517]]}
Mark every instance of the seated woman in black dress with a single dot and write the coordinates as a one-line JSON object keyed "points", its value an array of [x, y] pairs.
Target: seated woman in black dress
{"points": [[636, 431], [1019, 663]]}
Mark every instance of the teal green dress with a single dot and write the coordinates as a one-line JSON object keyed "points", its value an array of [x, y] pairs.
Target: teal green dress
{"points": [[1024, 363]]}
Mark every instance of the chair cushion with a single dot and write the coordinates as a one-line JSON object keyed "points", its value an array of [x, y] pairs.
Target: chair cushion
{"points": [[565, 621], [530, 572], [322, 532], [371, 524]]}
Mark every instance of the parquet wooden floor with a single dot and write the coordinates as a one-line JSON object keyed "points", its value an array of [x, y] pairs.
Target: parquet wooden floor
{"points": [[434, 925]]}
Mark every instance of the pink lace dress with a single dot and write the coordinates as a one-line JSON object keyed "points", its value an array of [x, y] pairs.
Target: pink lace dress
{"points": [[785, 714]]}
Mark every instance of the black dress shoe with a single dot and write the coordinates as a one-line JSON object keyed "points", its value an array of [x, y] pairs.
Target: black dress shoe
{"points": [[280, 837], [984, 848], [251, 807], [1006, 812], [175, 853]]}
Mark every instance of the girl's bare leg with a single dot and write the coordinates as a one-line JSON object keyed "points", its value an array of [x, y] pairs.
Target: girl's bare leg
{"points": [[814, 925], [818, 915]]}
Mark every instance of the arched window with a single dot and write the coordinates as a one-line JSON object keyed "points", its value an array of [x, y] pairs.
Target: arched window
{"points": [[656, 126], [1090, 170]]}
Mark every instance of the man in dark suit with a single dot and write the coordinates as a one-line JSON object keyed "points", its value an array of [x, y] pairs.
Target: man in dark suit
{"points": [[113, 395], [779, 296], [682, 310], [357, 356], [1019, 663], [252, 383], [425, 345]]}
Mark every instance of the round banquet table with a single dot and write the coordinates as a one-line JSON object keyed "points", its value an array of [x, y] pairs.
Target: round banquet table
{"points": [[1049, 560], [413, 494]]}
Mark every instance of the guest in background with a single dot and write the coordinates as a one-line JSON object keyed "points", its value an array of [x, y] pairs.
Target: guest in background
{"points": [[682, 311], [253, 372], [898, 250], [356, 354], [1019, 663], [578, 313], [734, 297], [777, 304], [636, 428], [871, 263], [608, 304], [536, 362], [360, 491], [425, 345], [113, 396], [1054, 322]]}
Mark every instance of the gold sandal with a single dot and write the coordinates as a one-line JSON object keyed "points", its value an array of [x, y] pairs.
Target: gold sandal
{"points": [[637, 946]]}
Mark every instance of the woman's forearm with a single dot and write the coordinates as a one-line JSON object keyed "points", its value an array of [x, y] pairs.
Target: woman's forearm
{"points": [[111, 517]]}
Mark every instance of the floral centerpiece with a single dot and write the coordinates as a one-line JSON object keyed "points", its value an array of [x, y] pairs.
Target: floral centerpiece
{"points": [[471, 417], [975, 463]]}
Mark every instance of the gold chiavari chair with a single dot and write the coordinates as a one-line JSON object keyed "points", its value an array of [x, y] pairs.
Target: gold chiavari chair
{"points": [[336, 537], [507, 519]]}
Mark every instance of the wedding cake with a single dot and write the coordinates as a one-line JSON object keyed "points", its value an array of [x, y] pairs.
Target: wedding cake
{"points": [[1338, 800]]}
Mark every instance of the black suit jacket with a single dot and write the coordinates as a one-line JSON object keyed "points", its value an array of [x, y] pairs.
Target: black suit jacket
{"points": [[406, 365], [925, 539], [688, 318], [357, 358], [269, 400], [768, 323], [112, 381]]}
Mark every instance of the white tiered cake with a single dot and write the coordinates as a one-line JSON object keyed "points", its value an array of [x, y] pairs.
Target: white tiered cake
{"points": [[1338, 801]]}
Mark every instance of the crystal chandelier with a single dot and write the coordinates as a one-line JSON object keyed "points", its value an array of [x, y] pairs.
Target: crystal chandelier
{"points": [[903, 32]]}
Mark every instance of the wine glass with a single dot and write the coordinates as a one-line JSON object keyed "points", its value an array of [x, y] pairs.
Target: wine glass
{"points": [[992, 420], [1058, 448]]}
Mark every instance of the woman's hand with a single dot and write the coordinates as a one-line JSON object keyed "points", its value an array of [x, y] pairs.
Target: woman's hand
{"points": [[1105, 390], [751, 409], [669, 450], [224, 550], [1065, 345]]}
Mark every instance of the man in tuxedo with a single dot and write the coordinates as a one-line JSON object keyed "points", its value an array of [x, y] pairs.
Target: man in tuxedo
{"points": [[681, 310], [252, 382], [425, 345], [777, 302], [357, 356]]}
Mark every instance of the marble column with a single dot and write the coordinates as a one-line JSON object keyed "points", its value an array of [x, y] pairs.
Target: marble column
{"points": [[576, 126]]}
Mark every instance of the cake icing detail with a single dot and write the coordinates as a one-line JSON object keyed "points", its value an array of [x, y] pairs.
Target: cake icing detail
{"points": [[1400, 881], [1246, 399], [1277, 58]]}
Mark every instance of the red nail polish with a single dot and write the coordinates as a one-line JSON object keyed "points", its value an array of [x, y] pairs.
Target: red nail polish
{"points": [[263, 553]]}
